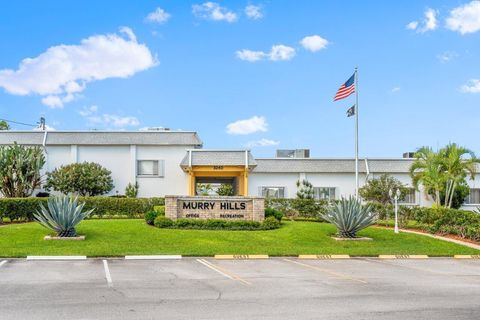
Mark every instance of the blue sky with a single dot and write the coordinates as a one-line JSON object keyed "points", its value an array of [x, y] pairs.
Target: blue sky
{"points": [[183, 69]]}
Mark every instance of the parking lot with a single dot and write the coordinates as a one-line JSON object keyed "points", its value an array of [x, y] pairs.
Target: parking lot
{"points": [[205, 288]]}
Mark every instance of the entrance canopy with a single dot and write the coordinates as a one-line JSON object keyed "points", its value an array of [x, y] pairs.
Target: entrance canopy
{"points": [[218, 166]]}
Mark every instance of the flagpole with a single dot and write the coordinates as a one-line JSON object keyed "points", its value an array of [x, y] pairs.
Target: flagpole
{"points": [[356, 132]]}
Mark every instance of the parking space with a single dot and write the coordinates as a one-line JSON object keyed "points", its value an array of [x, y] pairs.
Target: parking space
{"points": [[278, 288]]}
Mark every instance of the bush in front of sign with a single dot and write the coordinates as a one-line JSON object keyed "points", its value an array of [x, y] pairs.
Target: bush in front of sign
{"points": [[216, 224], [150, 217], [270, 223], [163, 222], [271, 212]]}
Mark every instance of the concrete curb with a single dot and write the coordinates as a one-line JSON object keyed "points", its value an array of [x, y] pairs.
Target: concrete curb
{"points": [[403, 256], [154, 257], [323, 256], [53, 258], [470, 256], [241, 256]]}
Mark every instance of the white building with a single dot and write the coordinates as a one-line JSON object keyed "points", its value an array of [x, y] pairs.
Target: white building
{"points": [[173, 162]]}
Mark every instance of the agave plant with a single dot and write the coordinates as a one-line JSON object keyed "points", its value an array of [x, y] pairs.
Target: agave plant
{"points": [[62, 215], [350, 216]]}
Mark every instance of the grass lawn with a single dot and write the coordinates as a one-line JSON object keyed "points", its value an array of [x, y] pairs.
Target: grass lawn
{"points": [[132, 237]]}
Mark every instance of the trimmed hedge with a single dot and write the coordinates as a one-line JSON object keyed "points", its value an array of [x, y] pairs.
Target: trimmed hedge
{"points": [[216, 224], [299, 208], [21, 209]]}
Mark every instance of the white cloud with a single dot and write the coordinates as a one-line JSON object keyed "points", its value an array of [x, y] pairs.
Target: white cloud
{"points": [[396, 89], [248, 126], [93, 118], [429, 22], [249, 55], [412, 25], [213, 11], [63, 71], [158, 16], [447, 56], [473, 86], [87, 111], [314, 43], [262, 143], [465, 19], [253, 12], [52, 101], [278, 52], [281, 52]]}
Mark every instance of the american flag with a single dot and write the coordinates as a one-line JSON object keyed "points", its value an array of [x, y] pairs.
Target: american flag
{"points": [[346, 89]]}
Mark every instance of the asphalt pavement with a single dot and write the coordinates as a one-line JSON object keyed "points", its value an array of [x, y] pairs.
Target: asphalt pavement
{"points": [[205, 288]]}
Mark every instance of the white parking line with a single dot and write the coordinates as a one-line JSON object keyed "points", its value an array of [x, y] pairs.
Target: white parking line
{"points": [[2, 263], [222, 271], [158, 257], [107, 273], [56, 258]]}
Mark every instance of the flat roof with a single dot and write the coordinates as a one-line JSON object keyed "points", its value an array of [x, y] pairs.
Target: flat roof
{"points": [[186, 138]]}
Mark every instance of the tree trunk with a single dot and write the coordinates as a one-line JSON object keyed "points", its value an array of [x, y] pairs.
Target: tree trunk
{"points": [[447, 193], [452, 193]]}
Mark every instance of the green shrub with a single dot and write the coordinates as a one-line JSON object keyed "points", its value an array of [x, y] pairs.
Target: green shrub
{"points": [[225, 189], [150, 217], [217, 224], [462, 223], [22, 209], [270, 212], [163, 222], [131, 190], [295, 208], [160, 210], [270, 223], [85, 179]]}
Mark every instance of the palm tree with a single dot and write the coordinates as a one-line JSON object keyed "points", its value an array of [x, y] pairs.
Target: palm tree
{"points": [[427, 169], [457, 168]]}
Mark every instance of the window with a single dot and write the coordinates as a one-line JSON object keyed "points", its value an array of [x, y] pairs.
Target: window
{"points": [[154, 168], [272, 192], [473, 197], [410, 196], [324, 193]]}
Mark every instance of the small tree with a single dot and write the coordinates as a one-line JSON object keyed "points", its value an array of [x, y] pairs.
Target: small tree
{"points": [[305, 190], [131, 190], [204, 189], [85, 179], [377, 189], [20, 170], [225, 189], [4, 125]]}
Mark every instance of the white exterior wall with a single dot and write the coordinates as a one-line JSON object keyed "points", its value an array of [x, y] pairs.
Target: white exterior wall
{"points": [[56, 156], [114, 158], [287, 180], [344, 183], [174, 182], [121, 160], [473, 184]]}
